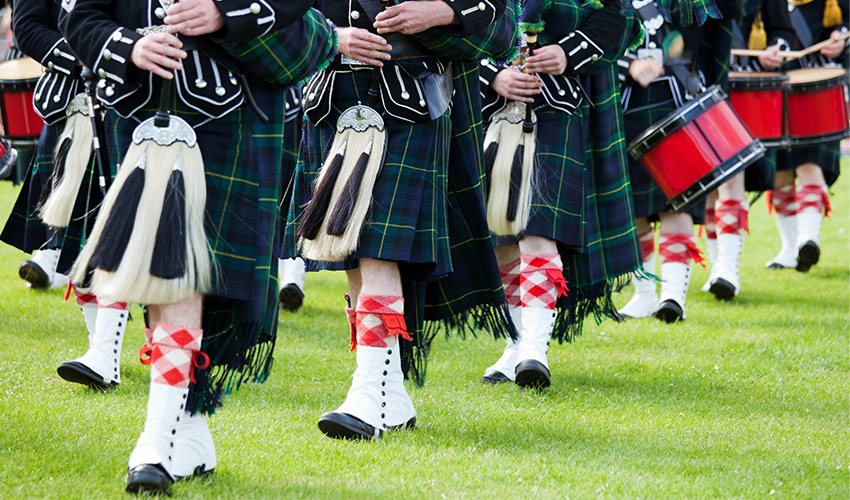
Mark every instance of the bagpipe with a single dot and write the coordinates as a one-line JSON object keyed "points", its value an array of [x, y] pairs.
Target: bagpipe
{"points": [[509, 147], [148, 244]]}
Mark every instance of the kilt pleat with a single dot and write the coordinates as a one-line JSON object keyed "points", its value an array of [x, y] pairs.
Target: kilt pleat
{"points": [[611, 249]]}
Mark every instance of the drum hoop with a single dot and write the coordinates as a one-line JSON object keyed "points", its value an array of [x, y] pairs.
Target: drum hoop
{"points": [[746, 156], [778, 82], [16, 85], [827, 84], [677, 119], [814, 140]]}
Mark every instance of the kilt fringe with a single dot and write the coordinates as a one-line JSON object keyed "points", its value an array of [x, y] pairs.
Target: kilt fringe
{"points": [[226, 375], [494, 319], [584, 301]]}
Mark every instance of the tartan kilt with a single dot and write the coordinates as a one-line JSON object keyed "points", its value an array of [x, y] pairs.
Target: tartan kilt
{"points": [[470, 298], [24, 229], [407, 220], [611, 246], [827, 155], [242, 160], [648, 198]]}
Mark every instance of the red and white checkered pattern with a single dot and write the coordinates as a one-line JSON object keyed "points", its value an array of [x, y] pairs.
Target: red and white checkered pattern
{"points": [[84, 299], [813, 198], [173, 354], [681, 248], [541, 280], [511, 282], [103, 303], [647, 244], [783, 199], [378, 317], [732, 217], [710, 227]]}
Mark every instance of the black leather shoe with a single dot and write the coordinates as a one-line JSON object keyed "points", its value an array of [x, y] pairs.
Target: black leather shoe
{"points": [[32, 272], [532, 374], [74, 371], [669, 312], [344, 426], [291, 297], [722, 289], [807, 256], [148, 478], [494, 377]]}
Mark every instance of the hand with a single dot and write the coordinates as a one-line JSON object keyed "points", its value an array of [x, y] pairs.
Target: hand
{"points": [[516, 85], [835, 48], [366, 47], [412, 17], [194, 17], [549, 59], [158, 53], [772, 59], [645, 71]]}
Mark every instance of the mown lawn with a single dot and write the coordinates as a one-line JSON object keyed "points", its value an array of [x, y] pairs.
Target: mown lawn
{"points": [[743, 400]]}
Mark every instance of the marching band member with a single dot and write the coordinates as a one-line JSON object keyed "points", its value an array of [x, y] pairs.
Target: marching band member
{"points": [[765, 25], [377, 150], [37, 36], [655, 85], [570, 81], [56, 92], [215, 324], [799, 197]]}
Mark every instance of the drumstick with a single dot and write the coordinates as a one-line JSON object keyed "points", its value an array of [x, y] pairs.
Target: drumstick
{"points": [[816, 47], [788, 54]]}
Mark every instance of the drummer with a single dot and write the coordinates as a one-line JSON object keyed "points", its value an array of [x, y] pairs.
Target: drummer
{"points": [[675, 61], [764, 25], [799, 196]]}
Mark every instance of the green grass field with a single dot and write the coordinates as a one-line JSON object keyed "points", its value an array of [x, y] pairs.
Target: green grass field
{"points": [[743, 400]]}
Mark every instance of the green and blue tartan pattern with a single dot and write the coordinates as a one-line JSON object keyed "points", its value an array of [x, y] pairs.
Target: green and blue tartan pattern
{"points": [[289, 55], [499, 43], [24, 229]]}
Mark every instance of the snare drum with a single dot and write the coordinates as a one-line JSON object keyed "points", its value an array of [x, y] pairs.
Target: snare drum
{"points": [[818, 107], [696, 148], [759, 99], [20, 123]]}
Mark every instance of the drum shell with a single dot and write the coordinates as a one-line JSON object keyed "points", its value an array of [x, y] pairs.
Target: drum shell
{"points": [[20, 123], [829, 96], [695, 149], [759, 100]]}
